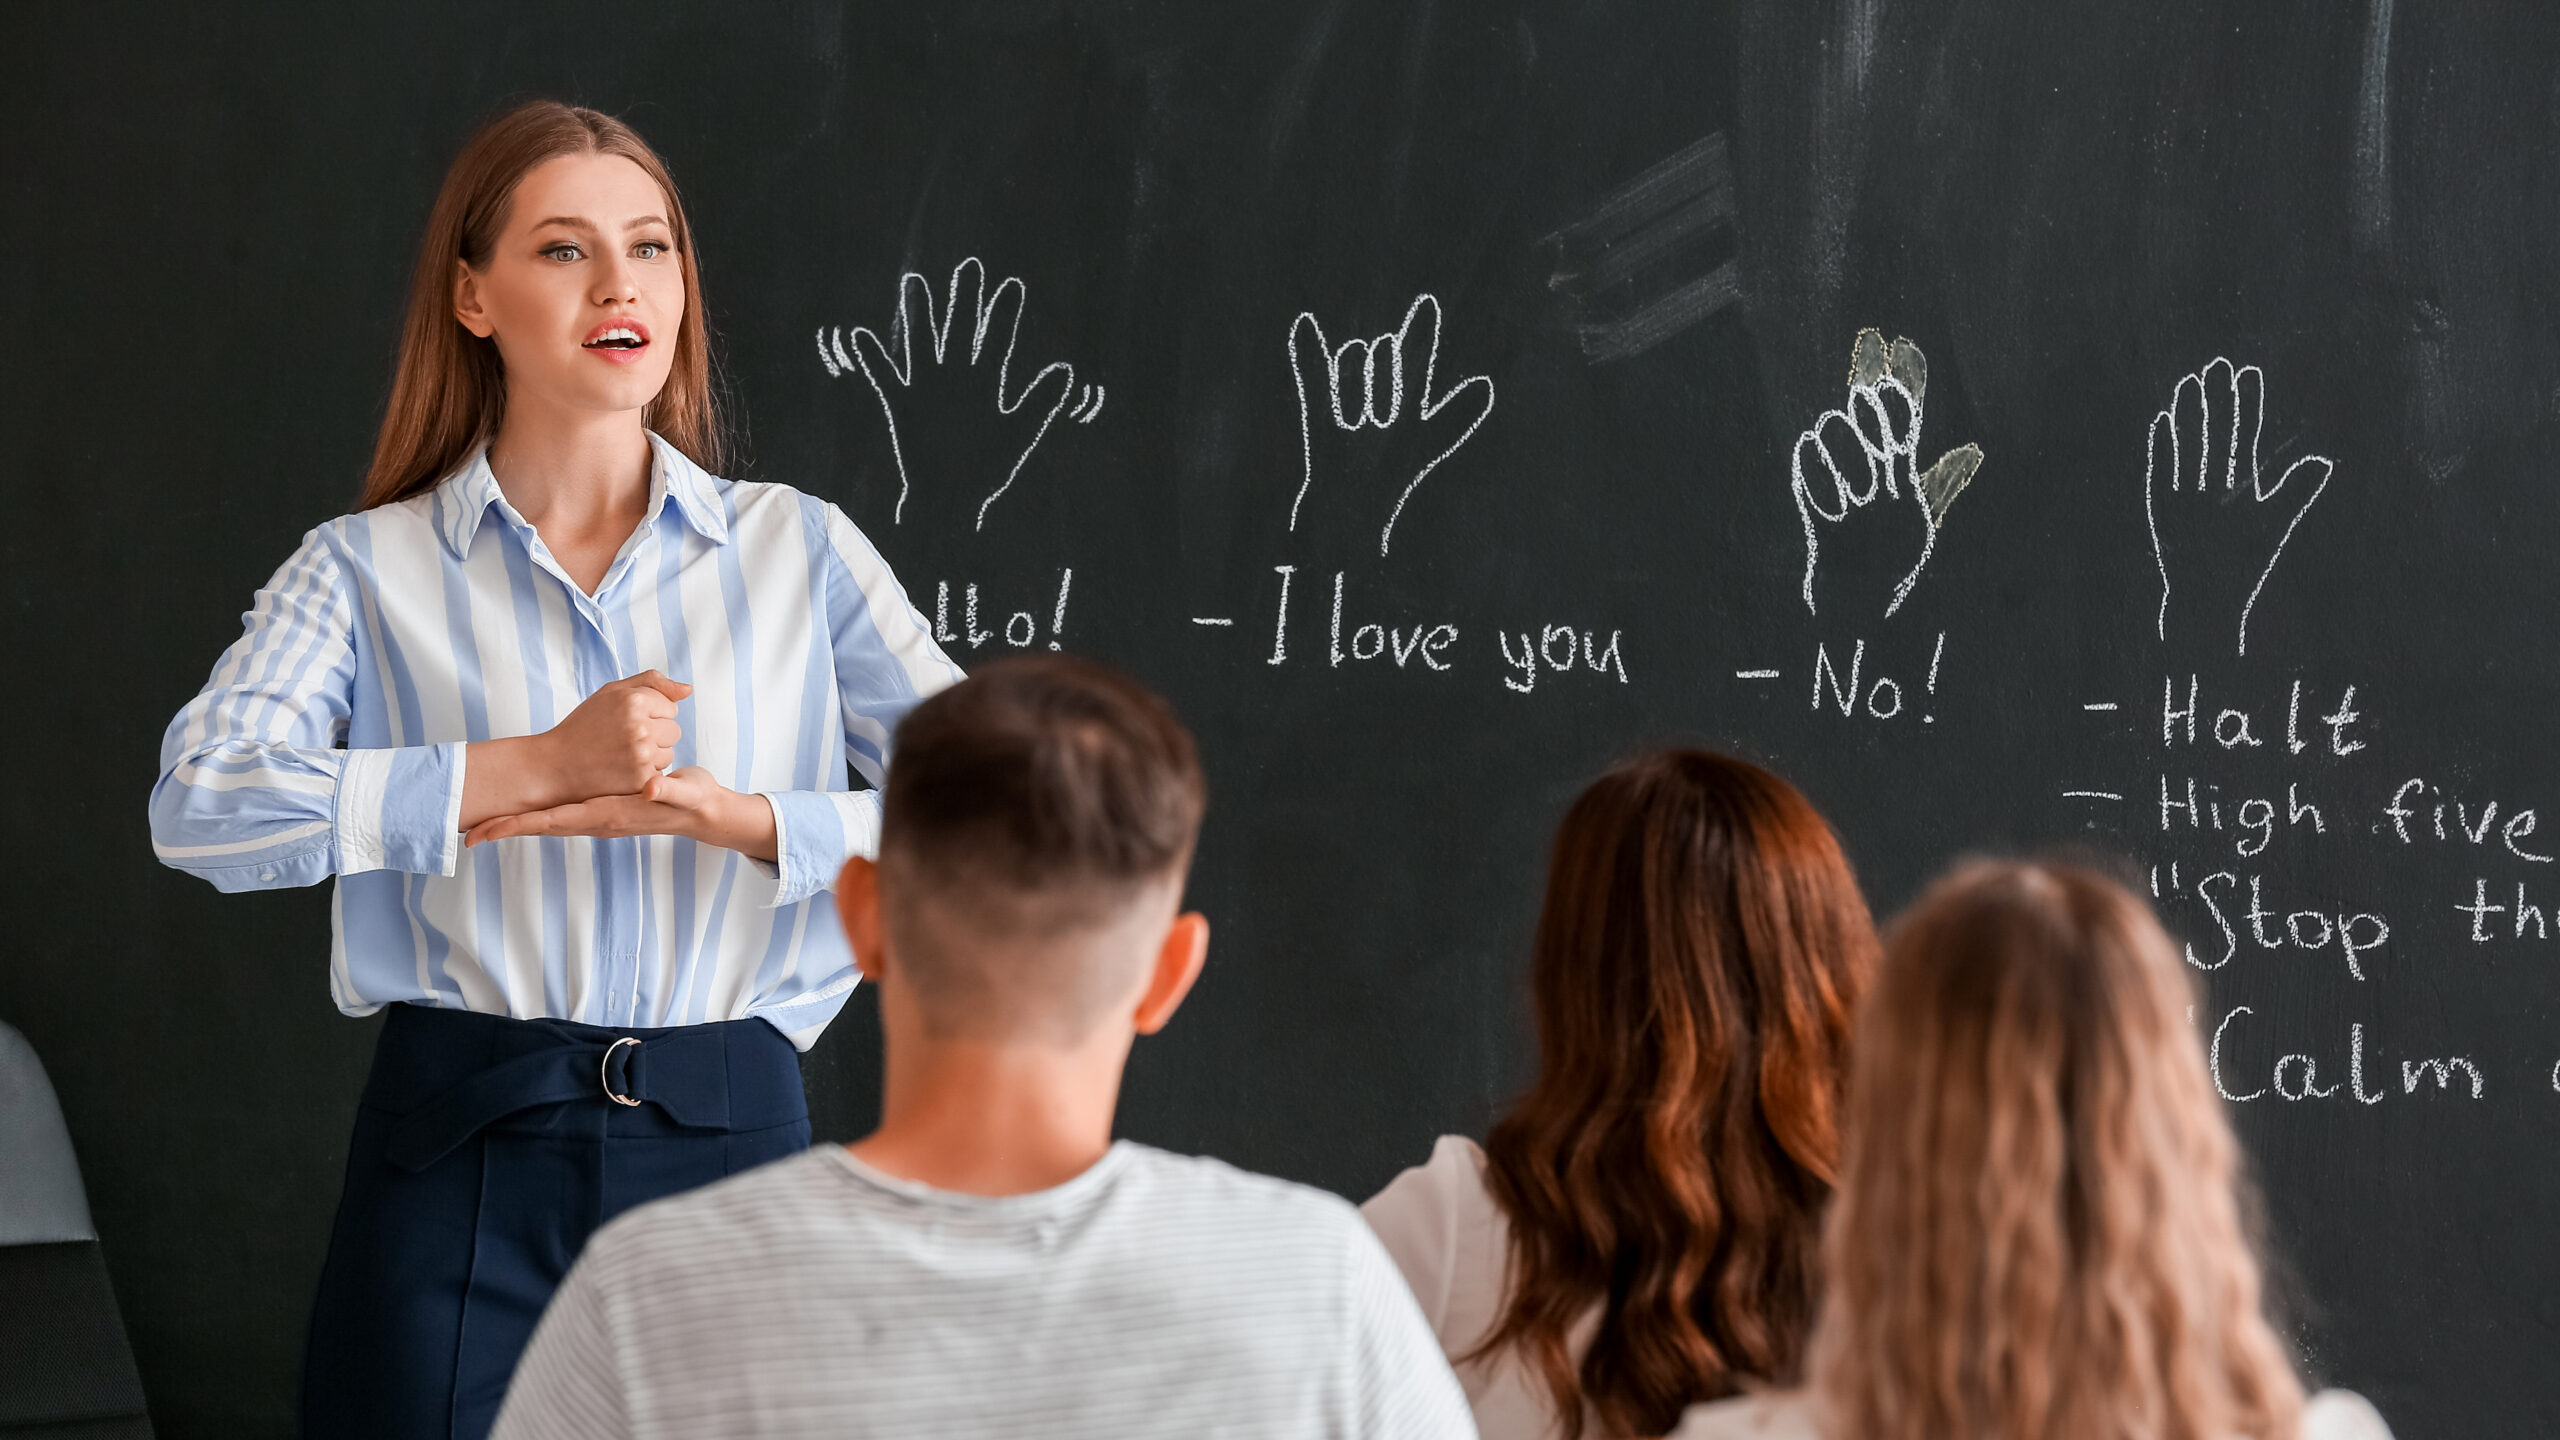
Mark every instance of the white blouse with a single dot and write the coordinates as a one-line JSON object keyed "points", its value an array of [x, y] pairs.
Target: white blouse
{"points": [[1454, 1246], [2331, 1415], [330, 744]]}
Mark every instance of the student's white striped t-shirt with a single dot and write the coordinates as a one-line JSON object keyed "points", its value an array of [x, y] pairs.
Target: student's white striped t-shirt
{"points": [[1155, 1294]]}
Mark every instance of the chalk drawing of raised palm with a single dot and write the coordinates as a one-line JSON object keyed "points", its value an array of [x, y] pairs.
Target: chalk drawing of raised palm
{"points": [[2217, 527], [1855, 474], [1361, 385], [960, 425]]}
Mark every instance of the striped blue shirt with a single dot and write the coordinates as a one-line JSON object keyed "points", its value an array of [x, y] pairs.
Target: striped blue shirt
{"points": [[329, 741]]}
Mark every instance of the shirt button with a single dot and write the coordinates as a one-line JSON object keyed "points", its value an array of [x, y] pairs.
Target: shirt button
{"points": [[268, 875]]}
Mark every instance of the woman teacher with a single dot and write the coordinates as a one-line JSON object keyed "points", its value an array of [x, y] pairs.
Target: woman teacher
{"points": [[568, 718]]}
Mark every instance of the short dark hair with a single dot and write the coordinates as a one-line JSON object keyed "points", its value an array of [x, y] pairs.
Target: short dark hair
{"points": [[1028, 806], [1043, 772]]}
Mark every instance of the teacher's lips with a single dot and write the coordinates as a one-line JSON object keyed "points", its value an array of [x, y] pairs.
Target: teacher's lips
{"points": [[621, 340]]}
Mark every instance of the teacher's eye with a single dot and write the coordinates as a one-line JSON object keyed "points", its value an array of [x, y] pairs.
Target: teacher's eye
{"points": [[563, 252], [650, 250]]}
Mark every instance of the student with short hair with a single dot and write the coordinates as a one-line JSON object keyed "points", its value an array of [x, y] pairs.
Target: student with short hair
{"points": [[1640, 1232], [2038, 1234], [989, 1261]]}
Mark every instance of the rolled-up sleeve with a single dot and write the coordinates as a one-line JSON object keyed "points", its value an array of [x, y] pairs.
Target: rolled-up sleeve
{"points": [[814, 832], [255, 791], [886, 663]]}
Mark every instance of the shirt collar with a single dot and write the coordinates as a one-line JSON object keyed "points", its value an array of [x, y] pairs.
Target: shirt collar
{"points": [[467, 495], [696, 493]]}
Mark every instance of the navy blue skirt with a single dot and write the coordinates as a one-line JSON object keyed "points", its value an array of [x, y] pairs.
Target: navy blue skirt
{"points": [[486, 1151]]}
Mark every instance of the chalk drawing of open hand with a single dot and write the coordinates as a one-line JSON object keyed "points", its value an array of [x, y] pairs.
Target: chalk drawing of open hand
{"points": [[2217, 526], [1387, 383], [1867, 507], [940, 432]]}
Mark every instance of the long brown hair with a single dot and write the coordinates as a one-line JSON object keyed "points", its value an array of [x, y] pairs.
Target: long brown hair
{"points": [[450, 390], [2039, 1232], [1700, 951]]}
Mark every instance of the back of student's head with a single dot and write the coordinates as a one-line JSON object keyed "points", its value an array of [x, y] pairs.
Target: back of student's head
{"points": [[1699, 954], [2039, 1233], [1038, 817]]}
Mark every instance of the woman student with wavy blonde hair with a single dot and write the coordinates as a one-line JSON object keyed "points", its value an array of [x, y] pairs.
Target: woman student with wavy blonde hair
{"points": [[2038, 1233]]}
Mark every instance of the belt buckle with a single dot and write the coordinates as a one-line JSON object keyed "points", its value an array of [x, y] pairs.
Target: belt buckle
{"points": [[604, 1073]]}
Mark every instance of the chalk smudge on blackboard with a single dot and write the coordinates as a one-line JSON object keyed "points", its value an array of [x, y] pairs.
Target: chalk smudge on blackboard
{"points": [[1288, 108], [2369, 186], [1842, 116], [868, 354], [1655, 257]]}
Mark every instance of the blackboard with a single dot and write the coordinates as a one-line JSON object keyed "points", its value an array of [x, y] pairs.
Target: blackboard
{"points": [[1620, 255]]}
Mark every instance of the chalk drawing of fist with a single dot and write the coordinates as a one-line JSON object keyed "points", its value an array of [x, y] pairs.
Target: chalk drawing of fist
{"points": [[955, 417], [1361, 385], [2217, 527], [1856, 474]]}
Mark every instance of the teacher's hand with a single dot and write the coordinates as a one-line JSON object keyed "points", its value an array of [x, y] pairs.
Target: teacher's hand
{"points": [[685, 802], [619, 738], [614, 743]]}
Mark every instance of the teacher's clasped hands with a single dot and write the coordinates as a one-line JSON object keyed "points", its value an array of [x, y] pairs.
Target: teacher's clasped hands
{"points": [[608, 770]]}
